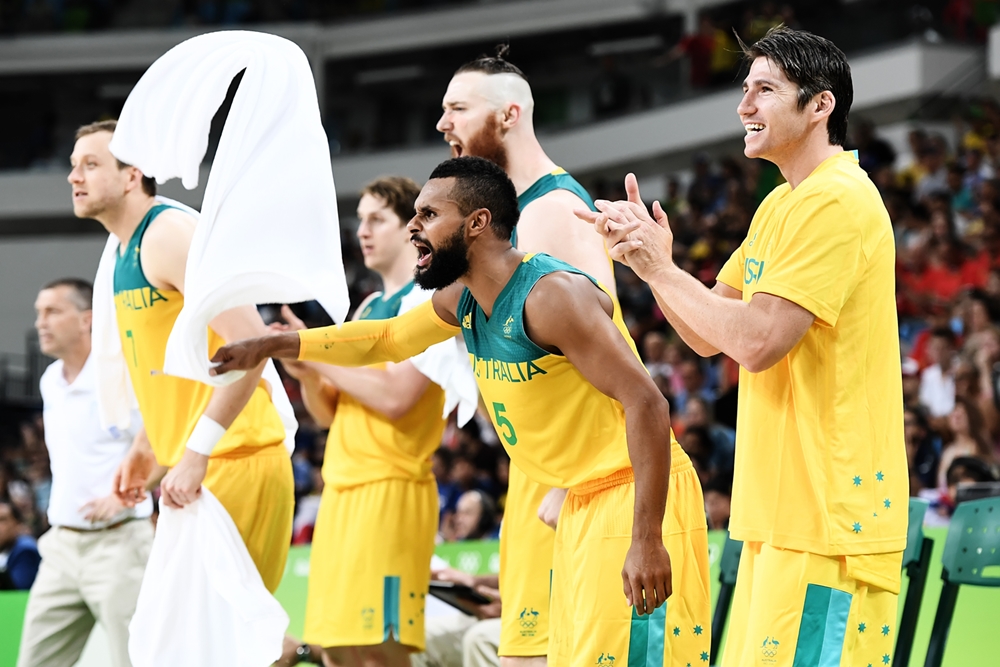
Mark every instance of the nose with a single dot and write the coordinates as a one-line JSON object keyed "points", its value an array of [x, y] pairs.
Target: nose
{"points": [[444, 123], [75, 175], [746, 105], [413, 226], [362, 229]]}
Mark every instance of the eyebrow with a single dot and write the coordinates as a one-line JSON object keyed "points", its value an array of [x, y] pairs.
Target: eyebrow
{"points": [[760, 82], [423, 210]]}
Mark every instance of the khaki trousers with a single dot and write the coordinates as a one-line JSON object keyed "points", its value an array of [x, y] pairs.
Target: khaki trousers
{"points": [[84, 578], [458, 640]]}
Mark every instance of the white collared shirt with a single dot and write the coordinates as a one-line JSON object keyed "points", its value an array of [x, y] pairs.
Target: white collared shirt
{"points": [[84, 456]]}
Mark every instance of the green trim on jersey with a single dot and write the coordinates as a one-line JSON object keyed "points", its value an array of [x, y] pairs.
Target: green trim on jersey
{"points": [[384, 308], [558, 179], [128, 267], [501, 337]]}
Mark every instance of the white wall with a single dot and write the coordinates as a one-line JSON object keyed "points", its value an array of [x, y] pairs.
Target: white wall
{"points": [[27, 264]]}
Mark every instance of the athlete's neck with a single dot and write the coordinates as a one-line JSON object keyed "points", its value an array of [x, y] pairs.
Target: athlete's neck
{"points": [[75, 358], [490, 269], [123, 220], [526, 161], [800, 160]]}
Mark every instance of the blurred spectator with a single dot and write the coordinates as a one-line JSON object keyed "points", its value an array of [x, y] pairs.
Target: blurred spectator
{"points": [[698, 413], [718, 499], [968, 438], [692, 382], [476, 518], [937, 382], [873, 153], [921, 450], [19, 558], [698, 445], [611, 91]]}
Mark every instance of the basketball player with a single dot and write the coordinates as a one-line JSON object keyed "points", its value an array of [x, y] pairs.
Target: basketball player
{"points": [[807, 307], [230, 438], [543, 337], [488, 111], [374, 537]]}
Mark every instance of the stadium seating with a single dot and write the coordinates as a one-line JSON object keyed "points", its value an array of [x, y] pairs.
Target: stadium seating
{"points": [[916, 562], [728, 567]]}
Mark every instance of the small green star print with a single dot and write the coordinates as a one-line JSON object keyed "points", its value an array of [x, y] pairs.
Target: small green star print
{"points": [[885, 659], [677, 632], [887, 503], [875, 514], [697, 629], [885, 630], [704, 656], [857, 527], [869, 664], [879, 476], [857, 480], [861, 627]]}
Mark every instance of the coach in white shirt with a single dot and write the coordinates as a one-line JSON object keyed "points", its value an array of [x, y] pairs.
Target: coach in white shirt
{"points": [[94, 555]]}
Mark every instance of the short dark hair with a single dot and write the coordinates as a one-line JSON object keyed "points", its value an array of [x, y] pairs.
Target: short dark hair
{"points": [[398, 192], [497, 64], [480, 183], [82, 291], [148, 184], [814, 64]]}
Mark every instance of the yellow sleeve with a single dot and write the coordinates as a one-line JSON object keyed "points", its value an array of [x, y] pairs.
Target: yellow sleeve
{"points": [[731, 272], [366, 342], [819, 260]]}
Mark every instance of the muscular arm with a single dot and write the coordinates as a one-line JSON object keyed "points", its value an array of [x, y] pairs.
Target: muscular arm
{"points": [[549, 225], [687, 334], [565, 313], [757, 334], [353, 343]]}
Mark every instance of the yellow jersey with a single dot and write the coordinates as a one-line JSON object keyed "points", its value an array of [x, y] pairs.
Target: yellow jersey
{"points": [[170, 405], [820, 458], [555, 425], [366, 446]]}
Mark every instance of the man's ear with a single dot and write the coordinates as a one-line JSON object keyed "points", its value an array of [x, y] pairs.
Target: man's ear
{"points": [[134, 179], [823, 105], [88, 319], [478, 221], [510, 116]]}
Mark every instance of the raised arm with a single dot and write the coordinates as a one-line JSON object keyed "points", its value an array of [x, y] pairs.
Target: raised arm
{"points": [[353, 343], [567, 313]]}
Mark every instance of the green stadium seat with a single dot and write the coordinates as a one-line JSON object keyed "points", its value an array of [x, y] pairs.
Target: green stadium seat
{"points": [[971, 557], [728, 566], [916, 562]]}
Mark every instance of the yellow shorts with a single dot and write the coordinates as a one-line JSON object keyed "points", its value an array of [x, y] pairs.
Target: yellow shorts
{"points": [[526, 545], [255, 486], [793, 607], [591, 622], [370, 566]]}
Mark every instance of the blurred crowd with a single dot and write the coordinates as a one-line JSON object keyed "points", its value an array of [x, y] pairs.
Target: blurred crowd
{"points": [[943, 198]]}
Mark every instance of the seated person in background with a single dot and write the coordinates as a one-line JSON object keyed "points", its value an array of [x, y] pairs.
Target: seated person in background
{"points": [[921, 453], [476, 517], [19, 557], [969, 437], [700, 412], [963, 470], [718, 500]]}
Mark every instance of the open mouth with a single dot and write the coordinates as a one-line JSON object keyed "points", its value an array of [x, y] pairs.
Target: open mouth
{"points": [[753, 128], [423, 252], [79, 194], [456, 148]]}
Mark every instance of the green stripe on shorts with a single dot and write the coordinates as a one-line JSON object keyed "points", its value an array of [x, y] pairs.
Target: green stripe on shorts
{"points": [[822, 627], [645, 642], [390, 609]]}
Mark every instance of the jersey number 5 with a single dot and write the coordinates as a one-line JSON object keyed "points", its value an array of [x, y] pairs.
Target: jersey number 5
{"points": [[504, 426]]}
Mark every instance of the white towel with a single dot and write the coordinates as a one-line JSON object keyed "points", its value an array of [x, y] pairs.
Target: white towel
{"points": [[269, 230], [114, 387], [446, 365], [222, 615]]}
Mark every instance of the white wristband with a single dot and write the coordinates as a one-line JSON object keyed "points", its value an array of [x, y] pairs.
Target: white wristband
{"points": [[205, 436]]}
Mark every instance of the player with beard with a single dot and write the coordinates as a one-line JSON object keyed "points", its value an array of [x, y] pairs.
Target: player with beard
{"points": [[542, 337], [488, 113]]}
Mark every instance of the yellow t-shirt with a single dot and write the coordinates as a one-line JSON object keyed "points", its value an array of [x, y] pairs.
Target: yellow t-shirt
{"points": [[366, 446], [820, 458], [170, 405]]}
